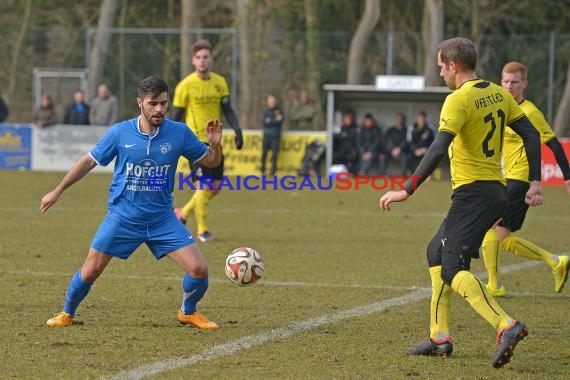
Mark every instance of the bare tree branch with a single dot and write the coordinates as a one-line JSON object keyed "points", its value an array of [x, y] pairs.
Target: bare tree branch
{"points": [[244, 51], [100, 47], [562, 119], [365, 27], [432, 34], [190, 19], [18, 48]]}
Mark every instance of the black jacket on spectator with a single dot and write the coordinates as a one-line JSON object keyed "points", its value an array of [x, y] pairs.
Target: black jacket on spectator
{"points": [[371, 140], [3, 110], [77, 114], [345, 147], [421, 138], [396, 138], [272, 121]]}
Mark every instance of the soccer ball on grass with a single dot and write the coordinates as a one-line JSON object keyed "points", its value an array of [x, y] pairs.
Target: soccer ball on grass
{"points": [[244, 266]]}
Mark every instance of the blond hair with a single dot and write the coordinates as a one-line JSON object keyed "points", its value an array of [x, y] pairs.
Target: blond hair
{"points": [[516, 67]]}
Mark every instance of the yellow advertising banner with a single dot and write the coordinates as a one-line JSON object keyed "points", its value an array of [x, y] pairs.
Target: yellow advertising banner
{"points": [[247, 161]]}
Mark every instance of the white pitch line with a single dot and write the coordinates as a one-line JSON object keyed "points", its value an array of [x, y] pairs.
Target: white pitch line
{"points": [[286, 283], [481, 275], [233, 346], [224, 281]]}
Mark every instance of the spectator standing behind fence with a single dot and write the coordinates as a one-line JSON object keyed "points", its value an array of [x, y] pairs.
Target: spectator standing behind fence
{"points": [[370, 141], [77, 113], [272, 122], [397, 146], [104, 108], [3, 110], [345, 148], [45, 114], [303, 113], [422, 137]]}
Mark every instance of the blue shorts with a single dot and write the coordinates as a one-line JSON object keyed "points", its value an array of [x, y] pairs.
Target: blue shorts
{"points": [[120, 239]]}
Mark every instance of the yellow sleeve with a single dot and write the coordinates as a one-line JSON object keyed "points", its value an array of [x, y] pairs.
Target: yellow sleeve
{"points": [[515, 111], [539, 121], [225, 90], [179, 99], [453, 114]]}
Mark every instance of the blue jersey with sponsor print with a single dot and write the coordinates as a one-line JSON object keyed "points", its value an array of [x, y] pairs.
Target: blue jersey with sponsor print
{"points": [[145, 167]]}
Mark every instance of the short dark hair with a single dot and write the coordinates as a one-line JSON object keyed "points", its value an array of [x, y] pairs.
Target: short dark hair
{"points": [[459, 50], [152, 86], [201, 45]]}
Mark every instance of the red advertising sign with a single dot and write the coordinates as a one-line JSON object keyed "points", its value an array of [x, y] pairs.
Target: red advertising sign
{"points": [[551, 173]]}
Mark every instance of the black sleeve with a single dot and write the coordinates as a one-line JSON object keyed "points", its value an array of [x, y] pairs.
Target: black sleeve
{"points": [[558, 151], [431, 160], [230, 114], [178, 114], [531, 139]]}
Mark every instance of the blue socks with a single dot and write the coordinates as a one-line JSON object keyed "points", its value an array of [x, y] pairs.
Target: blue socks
{"points": [[194, 290], [76, 292]]}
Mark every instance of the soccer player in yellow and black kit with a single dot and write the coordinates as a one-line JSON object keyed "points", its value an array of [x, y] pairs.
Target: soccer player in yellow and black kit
{"points": [[472, 123], [197, 99], [514, 80]]}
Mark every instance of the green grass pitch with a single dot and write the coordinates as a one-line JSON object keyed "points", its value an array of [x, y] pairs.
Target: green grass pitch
{"points": [[343, 297]]}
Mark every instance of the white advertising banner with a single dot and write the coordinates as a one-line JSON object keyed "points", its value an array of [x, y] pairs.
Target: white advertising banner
{"points": [[400, 82], [58, 147]]}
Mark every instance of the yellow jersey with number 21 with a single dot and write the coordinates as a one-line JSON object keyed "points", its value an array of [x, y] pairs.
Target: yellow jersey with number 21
{"points": [[477, 114]]}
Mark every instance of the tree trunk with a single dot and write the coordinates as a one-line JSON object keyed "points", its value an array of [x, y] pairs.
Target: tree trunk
{"points": [[190, 20], [14, 68], [244, 54], [365, 27], [102, 37], [562, 119], [120, 92], [479, 24], [170, 48], [432, 34], [312, 54]]}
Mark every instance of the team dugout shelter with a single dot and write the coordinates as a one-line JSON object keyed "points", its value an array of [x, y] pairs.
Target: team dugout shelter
{"points": [[388, 96]]}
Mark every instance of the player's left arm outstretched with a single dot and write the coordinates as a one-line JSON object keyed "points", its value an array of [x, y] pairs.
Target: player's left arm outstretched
{"points": [[83, 166], [427, 165], [233, 120]]}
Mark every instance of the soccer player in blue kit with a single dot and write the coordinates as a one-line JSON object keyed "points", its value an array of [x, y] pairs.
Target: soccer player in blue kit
{"points": [[146, 150]]}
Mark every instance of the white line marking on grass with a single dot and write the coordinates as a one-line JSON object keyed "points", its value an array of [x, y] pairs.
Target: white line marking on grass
{"points": [[233, 346], [481, 275], [225, 281]]}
